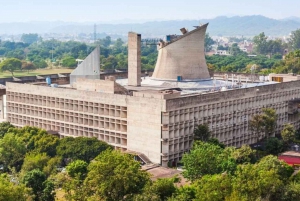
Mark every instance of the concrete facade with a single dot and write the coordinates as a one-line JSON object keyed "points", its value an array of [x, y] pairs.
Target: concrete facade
{"points": [[89, 68], [134, 59], [183, 57], [157, 124]]}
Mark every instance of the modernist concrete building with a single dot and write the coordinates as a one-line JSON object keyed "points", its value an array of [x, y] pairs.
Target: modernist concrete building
{"points": [[153, 117]]}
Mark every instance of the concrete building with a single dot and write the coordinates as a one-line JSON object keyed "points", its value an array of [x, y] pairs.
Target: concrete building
{"points": [[153, 117]]}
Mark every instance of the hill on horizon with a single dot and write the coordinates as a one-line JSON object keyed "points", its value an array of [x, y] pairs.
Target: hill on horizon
{"points": [[247, 26]]}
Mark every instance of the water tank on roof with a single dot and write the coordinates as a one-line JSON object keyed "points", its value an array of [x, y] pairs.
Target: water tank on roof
{"points": [[48, 80]]}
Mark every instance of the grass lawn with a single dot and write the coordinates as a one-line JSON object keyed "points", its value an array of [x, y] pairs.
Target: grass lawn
{"points": [[35, 72]]}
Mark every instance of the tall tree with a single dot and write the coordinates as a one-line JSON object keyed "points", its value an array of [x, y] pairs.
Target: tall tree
{"points": [[208, 42], [260, 42], [295, 39], [12, 151], [11, 65], [205, 158], [114, 175], [202, 133], [288, 133]]}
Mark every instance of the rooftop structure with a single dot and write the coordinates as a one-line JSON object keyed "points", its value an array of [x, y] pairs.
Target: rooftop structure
{"points": [[183, 57], [89, 68]]}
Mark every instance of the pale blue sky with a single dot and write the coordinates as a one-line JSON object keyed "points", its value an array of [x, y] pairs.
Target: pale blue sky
{"points": [[112, 10]]}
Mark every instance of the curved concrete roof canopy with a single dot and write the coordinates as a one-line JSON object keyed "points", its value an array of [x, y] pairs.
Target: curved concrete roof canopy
{"points": [[184, 56]]}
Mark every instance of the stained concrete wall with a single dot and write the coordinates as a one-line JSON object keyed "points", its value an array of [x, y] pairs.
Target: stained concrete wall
{"points": [[184, 57], [144, 126], [89, 68], [134, 59]]}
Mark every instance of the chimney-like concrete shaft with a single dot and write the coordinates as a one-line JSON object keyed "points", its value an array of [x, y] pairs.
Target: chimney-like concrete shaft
{"points": [[134, 59]]}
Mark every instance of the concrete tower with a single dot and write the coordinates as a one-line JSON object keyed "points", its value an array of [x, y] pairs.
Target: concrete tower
{"points": [[134, 59], [183, 56], [89, 68]]}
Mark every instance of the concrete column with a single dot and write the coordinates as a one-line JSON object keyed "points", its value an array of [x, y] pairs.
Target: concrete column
{"points": [[134, 59]]}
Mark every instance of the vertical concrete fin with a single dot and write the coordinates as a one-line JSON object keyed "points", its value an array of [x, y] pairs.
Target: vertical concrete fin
{"points": [[89, 68], [134, 59]]}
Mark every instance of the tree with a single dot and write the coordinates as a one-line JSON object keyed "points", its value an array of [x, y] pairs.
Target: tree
{"points": [[12, 192], [281, 168], [213, 187], [40, 63], [81, 148], [202, 133], [114, 175], [4, 127], [12, 151], [35, 179], [208, 42], [205, 158], [274, 146], [260, 42], [184, 193], [11, 65], [29, 38], [263, 125], [77, 168], [252, 183], [164, 188], [69, 62], [244, 155], [295, 39], [292, 192], [35, 160], [28, 66], [288, 133]]}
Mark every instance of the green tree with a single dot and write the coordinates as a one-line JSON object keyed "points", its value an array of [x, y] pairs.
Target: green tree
{"points": [[208, 42], [35, 179], [114, 176], [204, 158], [244, 155], [77, 168], [12, 151], [184, 193], [281, 168], [213, 187], [202, 133], [4, 127], [12, 192], [164, 188], [29, 38], [81, 148], [274, 146], [260, 42], [252, 183], [35, 160], [69, 62], [28, 66], [288, 133], [48, 193], [295, 39], [263, 125], [11, 65]]}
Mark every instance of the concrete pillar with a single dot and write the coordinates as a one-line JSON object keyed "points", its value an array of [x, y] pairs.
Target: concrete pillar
{"points": [[134, 59]]}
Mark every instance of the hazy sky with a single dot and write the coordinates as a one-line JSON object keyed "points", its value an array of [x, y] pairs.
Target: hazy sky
{"points": [[112, 10]]}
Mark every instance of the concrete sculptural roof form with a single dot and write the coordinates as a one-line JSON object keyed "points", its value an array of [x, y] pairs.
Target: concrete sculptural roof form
{"points": [[89, 68], [183, 56]]}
